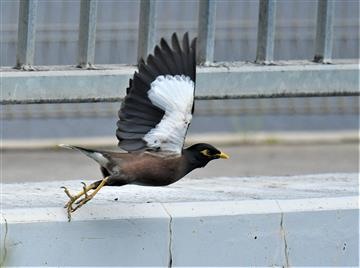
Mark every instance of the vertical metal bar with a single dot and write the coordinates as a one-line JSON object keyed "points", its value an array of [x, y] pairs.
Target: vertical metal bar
{"points": [[87, 33], [324, 31], [147, 26], [206, 31], [26, 34], [266, 31]]}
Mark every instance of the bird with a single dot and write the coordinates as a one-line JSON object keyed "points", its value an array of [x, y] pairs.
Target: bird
{"points": [[154, 118]]}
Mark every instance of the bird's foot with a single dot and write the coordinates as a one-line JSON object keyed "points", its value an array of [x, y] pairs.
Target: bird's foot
{"points": [[74, 198], [87, 197]]}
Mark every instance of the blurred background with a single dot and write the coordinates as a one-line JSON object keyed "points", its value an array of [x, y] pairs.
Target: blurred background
{"points": [[263, 136]]}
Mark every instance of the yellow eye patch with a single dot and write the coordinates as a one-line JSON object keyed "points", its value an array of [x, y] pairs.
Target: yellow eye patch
{"points": [[205, 152]]}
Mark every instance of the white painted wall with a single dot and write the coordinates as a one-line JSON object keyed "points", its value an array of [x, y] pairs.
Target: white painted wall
{"points": [[282, 231]]}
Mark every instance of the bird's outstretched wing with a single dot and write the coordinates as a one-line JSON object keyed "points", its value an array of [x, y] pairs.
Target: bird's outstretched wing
{"points": [[158, 107]]}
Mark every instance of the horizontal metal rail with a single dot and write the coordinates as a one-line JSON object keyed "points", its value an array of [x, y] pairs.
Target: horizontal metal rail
{"points": [[220, 82], [244, 107]]}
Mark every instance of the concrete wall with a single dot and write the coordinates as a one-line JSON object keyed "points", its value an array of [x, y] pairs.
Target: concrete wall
{"points": [[191, 231]]}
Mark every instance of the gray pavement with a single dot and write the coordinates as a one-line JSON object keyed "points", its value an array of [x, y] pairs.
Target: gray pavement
{"points": [[246, 160]]}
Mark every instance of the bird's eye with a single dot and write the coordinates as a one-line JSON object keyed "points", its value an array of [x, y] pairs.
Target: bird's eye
{"points": [[205, 152]]}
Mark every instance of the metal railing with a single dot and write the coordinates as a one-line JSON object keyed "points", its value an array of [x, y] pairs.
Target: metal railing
{"points": [[215, 80], [147, 26]]}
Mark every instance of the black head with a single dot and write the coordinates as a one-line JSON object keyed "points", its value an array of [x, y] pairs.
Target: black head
{"points": [[201, 153]]}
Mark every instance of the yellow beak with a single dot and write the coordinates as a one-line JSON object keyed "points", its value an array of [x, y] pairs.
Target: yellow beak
{"points": [[224, 156]]}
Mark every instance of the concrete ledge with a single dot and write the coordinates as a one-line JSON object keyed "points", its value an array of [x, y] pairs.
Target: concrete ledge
{"points": [[205, 222]]}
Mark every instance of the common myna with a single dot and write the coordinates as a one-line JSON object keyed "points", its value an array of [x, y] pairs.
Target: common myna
{"points": [[153, 120]]}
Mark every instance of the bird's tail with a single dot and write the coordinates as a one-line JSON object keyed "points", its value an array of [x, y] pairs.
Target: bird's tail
{"points": [[96, 155]]}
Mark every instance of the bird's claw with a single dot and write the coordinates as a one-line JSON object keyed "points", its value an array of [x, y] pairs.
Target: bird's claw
{"points": [[87, 197], [73, 198], [84, 188], [68, 205], [67, 192]]}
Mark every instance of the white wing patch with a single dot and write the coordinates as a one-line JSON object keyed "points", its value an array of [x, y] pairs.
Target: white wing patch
{"points": [[174, 95]]}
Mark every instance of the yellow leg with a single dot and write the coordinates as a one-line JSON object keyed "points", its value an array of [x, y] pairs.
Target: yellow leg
{"points": [[74, 198], [87, 197]]}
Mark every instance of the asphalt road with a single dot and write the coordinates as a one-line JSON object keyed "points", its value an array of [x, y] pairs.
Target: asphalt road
{"points": [[246, 160]]}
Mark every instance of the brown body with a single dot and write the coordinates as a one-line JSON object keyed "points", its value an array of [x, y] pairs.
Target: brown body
{"points": [[146, 169]]}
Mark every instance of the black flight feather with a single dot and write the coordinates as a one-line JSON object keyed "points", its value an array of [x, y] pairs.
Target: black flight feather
{"points": [[137, 114]]}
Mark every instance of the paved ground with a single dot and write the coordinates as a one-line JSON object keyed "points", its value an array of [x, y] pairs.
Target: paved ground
{"points": [[246, 160]]}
